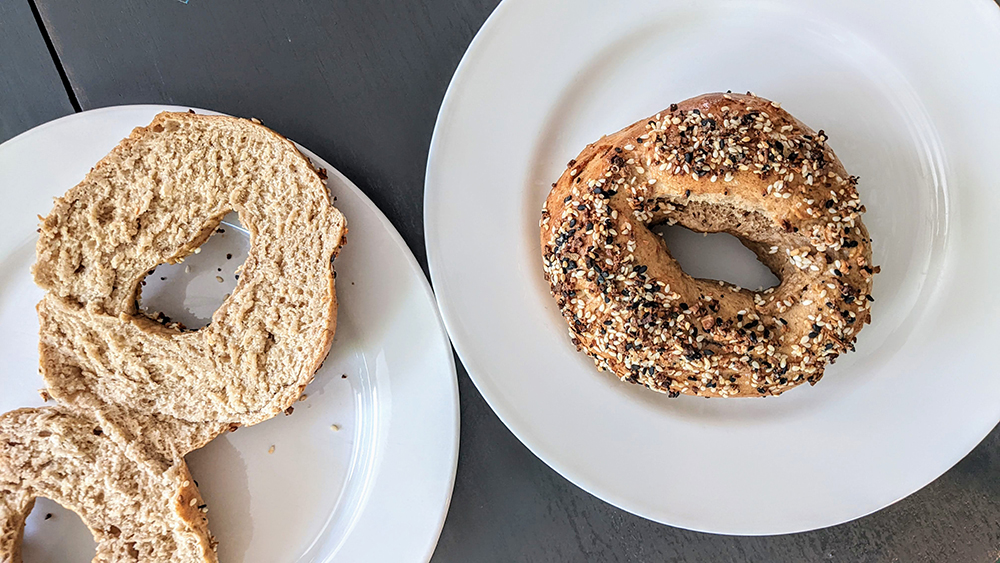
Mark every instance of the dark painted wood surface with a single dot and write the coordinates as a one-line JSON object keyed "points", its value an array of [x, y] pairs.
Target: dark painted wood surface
{"points": [[31, 91], [360, 82]]}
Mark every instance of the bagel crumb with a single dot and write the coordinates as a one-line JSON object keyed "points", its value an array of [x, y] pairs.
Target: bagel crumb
{"points": [[150, 201]]}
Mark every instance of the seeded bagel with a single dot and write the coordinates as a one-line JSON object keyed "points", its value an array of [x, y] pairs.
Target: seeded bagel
{"points": [[139, 502], [715, 163], [154, 199]]}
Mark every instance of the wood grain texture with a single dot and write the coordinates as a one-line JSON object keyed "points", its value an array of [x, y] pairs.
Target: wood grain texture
{"points": [[360, 82], [31, 91]]}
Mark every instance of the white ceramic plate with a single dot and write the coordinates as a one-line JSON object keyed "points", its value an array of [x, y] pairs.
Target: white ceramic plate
{"points": [[907, 92], [323, 494]]}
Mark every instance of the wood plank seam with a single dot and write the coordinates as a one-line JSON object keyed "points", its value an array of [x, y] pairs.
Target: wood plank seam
{"points": [[55, 56]]}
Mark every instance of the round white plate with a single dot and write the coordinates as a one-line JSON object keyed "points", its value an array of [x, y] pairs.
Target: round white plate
{"points": [[324, 494], [907, 92]]}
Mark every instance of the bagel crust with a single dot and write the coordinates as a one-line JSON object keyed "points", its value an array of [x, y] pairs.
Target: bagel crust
{"points": [[715, 163]]}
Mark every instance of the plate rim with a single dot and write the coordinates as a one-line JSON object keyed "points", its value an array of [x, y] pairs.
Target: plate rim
{"points": [[453, 320], [426, 550]]}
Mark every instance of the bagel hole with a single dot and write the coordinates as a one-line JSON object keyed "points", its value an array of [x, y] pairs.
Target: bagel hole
{"points": [[716, 256], [191, 291], [54, 533]]}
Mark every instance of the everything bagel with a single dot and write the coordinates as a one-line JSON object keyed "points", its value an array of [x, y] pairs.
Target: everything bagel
{"points": [[715, 163]]}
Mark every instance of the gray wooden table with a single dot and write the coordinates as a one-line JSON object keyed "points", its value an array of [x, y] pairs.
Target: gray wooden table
{"points": [[360, 82]]}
